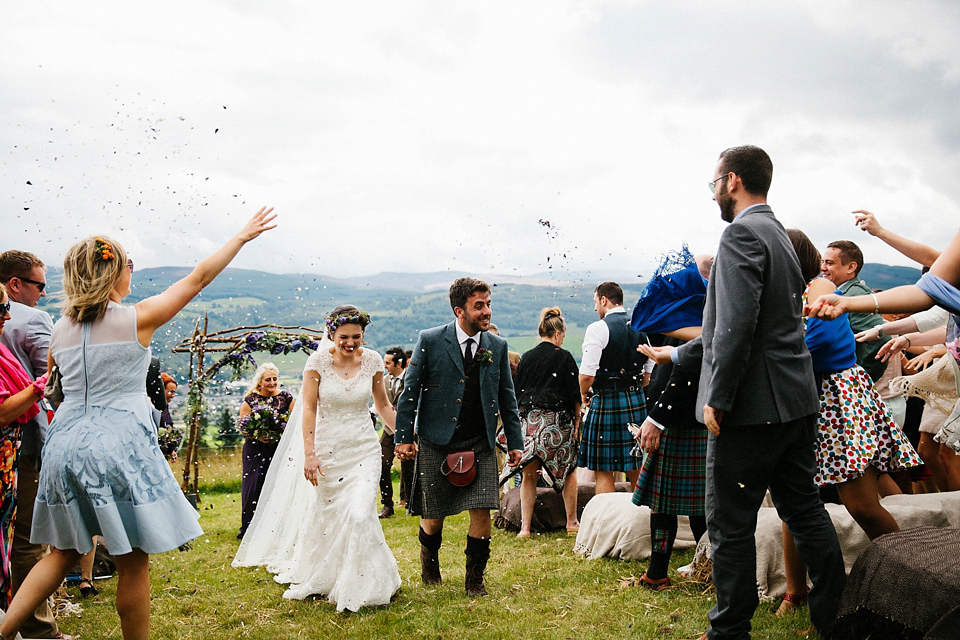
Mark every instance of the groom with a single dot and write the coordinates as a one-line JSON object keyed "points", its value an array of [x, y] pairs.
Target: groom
{"points": [[457, 383]]}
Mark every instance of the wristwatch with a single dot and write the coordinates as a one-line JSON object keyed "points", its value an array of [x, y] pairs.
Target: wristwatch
{"points": [[880, 332]]}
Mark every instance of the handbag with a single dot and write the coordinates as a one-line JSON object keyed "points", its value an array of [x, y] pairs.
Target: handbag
{"points": [[459, 467], [53, 389]]}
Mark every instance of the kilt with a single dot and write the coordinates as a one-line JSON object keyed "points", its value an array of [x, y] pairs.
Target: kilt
{"points": [[605, 441], [434, 496], [673, 479]]}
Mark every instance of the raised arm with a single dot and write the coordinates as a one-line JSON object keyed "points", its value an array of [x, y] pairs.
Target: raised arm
{"points": [[916, 251], [157, 310]]}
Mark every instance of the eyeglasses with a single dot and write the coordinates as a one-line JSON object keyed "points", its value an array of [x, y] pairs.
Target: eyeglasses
{"points": [[130, 265], [4, 309], [39, 285], [713, 185]]}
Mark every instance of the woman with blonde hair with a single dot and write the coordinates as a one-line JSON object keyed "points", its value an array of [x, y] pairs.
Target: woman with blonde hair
{"points": [[103, 473], [263, 417], [548, 397]]}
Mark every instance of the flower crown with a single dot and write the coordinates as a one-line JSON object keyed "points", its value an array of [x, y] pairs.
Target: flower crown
{"points": [[333, 323], [102, 250]]}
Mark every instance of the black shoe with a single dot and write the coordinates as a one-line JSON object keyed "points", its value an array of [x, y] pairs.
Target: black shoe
{"points": [[89, 590], [386, 512]]}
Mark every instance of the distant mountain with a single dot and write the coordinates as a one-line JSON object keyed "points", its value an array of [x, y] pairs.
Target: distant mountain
{"points": [[882, 276], [401, 304]]}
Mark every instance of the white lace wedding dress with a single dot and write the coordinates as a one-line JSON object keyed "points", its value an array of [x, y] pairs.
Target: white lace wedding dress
{"points": [[327, 540]]}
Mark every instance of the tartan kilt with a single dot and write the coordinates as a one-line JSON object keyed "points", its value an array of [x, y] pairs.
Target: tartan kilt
{"points": [[673, 479], [605, 441], [434, 496]]}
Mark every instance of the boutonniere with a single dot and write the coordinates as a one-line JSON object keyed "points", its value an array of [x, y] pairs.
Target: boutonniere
{"points": [[484, 356]]}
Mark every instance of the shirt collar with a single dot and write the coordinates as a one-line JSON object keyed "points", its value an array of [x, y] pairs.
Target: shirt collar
{"points": [[747, 209], [462, 335]]}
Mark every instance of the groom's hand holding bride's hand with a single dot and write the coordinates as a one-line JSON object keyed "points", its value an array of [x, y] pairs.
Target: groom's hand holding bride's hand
{"points": [[405, 451], [312, 469], [514, 456]]}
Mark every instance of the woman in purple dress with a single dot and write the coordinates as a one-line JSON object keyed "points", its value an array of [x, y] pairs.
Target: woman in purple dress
{"points": [[263, 417]]}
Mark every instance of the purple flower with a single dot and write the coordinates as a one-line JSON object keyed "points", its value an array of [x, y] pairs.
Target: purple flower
{"points": [[313, 344], [277, 349], [295, 345]]}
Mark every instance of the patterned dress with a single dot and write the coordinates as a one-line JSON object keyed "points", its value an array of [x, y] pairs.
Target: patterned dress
{"points": [[103, 472], [854, 429]]}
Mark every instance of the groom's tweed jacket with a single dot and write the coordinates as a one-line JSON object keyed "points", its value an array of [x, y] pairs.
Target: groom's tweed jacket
{"points": [[434, 389]]}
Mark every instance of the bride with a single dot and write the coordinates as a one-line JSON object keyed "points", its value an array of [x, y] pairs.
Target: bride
{"points": [[321, 534]]}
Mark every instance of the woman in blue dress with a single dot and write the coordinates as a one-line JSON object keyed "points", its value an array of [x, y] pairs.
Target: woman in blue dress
{"points": [[103, 472]]}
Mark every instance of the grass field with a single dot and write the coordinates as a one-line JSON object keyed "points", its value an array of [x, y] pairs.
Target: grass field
{"points": [[538, 589]]}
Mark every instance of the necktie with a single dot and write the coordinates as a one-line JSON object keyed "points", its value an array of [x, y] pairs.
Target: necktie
{"points": [[468, 353]]}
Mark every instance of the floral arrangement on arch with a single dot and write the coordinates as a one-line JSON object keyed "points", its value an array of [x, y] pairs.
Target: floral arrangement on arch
{"points": [[263, 424], [241, 360]]}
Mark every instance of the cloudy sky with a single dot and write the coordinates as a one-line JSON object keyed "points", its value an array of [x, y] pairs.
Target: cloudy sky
{"points": [[477, 136]]}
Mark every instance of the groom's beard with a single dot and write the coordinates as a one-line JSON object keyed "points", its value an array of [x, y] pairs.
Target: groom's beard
{"points": [[481, 323]]}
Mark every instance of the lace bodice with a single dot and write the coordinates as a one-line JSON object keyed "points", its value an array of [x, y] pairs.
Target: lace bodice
{"points": [[341, 397]]}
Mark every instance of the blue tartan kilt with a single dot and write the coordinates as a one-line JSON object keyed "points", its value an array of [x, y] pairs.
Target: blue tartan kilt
{"points": [[605, 440], [673, 479]]}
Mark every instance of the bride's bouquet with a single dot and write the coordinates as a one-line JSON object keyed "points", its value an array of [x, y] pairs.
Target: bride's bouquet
{"points": [[263, 424]]}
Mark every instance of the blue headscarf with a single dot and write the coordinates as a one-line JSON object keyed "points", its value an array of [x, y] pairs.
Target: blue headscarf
{"points": [[673, 298]]}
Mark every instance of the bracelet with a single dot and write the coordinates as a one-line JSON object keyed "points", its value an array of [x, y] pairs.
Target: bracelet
{"points": [[908, 342], [876, 303], [880, 332]]}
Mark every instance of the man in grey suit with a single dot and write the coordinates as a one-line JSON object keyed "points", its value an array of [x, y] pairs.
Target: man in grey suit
{"points": [[759, 401], [27, 335], [457, 384]]}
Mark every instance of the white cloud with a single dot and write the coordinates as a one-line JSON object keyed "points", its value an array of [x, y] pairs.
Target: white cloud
{"points": [[423, 136]]}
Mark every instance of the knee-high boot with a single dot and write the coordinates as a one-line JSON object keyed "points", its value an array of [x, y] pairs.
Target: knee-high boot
{"points": [[430, 556], [478, 552]]}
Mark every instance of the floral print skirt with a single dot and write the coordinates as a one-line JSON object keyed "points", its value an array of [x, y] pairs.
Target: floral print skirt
{"points": [[548, 436], [9, 446], [855, 429]]}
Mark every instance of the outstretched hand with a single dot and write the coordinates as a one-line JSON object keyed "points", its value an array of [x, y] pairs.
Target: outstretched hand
{"points": [[869, 335], [826, 307], [660, 355], [926, 358], [867, 222], [892, 347], [260, 222]]}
